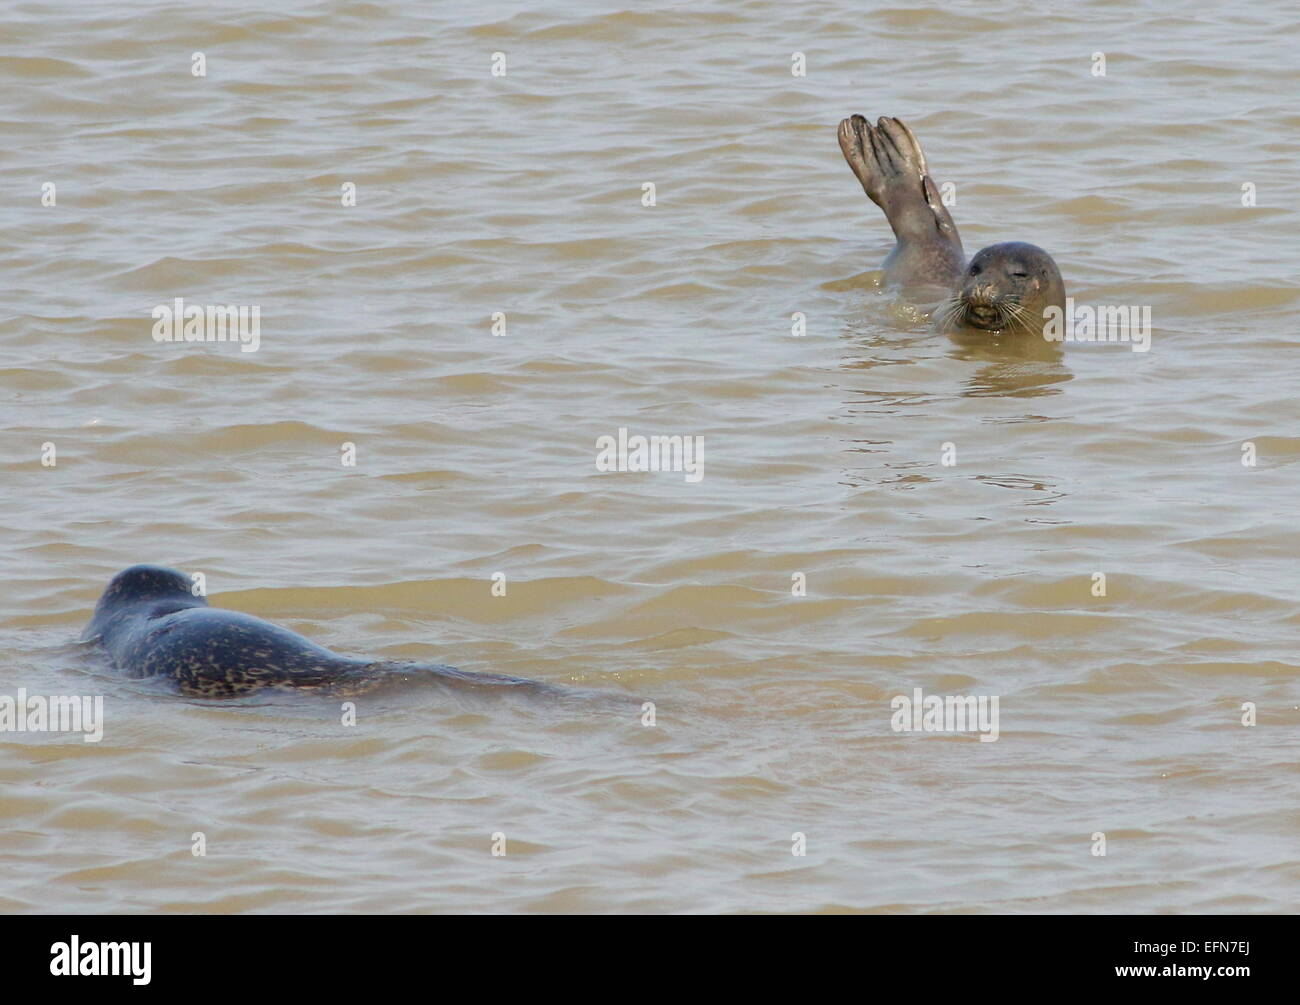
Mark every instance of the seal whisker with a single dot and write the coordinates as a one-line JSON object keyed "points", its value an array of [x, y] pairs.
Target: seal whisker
{"points": [[1021, 316], [948, 313]]}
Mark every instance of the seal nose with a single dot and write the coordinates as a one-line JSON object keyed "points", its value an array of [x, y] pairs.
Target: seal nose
{"points": [[981, 295]]}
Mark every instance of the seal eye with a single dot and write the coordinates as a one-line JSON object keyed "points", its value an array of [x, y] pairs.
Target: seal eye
{"points": [[974, 270], [1020, 275]]}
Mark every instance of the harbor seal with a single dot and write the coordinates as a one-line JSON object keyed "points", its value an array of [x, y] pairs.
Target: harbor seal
{"points": [[1005, 288], [152, 625]]}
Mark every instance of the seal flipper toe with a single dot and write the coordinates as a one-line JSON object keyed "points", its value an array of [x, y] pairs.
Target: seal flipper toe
{"points": [[901, 146], [886, 158], [876, 172]]}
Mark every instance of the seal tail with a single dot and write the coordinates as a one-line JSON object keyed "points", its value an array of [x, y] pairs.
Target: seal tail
{"points": [[887, 159]]}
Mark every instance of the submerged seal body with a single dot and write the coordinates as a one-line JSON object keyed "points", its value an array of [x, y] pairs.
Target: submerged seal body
{"points": [[151, 624], [1005, 288]]}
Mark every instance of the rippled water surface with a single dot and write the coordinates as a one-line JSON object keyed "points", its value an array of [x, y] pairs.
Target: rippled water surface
{"points": [[522, 195]]}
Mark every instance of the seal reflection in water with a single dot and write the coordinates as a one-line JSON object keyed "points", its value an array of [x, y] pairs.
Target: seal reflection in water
{"points": [[152, 625], [1005, 288]]}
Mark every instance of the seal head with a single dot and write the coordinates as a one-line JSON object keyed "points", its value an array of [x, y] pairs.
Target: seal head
{"points": [[142, 591], [1006, 288]]}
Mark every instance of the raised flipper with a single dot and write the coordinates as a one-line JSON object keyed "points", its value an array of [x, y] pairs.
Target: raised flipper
{"points": [[887, 160]]}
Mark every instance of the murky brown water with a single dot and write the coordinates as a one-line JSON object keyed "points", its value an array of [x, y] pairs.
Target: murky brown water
{"points": [[522, 194]]}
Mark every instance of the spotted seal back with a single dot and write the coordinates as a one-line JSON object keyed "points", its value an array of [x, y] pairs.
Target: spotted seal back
{"points": [[152, 625]]}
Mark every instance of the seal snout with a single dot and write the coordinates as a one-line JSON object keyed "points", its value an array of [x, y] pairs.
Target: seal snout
{"points": [[984, 317], [980, 295], [983, 305]]}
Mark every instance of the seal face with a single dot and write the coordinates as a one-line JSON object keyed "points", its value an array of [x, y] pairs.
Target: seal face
{"points": [[1004, 289]]}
